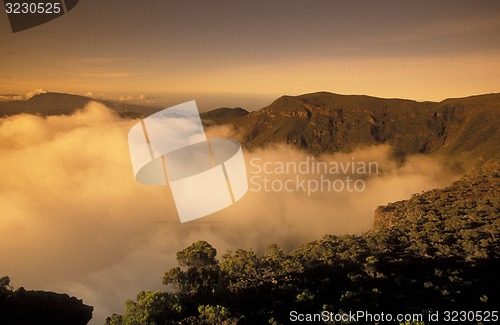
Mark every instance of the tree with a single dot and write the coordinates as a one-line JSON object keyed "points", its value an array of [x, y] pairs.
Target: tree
{"points": [[5, 287], [200, 277], [199, 255]]}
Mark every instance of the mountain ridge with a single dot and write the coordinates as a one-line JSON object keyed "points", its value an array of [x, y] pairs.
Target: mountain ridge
{"points": [[327, 122], [457, 128]]}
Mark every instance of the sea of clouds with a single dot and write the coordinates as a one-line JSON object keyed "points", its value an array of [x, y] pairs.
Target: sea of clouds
{"points": [[73, 218]]}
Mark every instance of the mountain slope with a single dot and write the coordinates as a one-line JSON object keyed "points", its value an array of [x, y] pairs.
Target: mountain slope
{"points": [[326, 122], [461, 220]]}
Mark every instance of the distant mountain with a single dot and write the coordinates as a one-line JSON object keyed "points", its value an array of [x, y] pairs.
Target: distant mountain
{"points": [[461, 128], [327, 122], [223, 115], [64, 104], [50, 103]]}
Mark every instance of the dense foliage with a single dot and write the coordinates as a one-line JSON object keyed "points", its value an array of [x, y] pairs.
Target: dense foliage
{"points": [[438, 250]]}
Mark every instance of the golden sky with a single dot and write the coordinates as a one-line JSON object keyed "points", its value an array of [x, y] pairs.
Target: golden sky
{"points": [[421, 50]]}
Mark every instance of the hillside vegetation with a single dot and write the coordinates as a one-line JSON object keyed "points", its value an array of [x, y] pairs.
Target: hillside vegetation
{"points": [[437, 251]]}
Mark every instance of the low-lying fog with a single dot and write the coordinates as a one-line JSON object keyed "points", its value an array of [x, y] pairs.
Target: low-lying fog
{"points": [[73, 218]]}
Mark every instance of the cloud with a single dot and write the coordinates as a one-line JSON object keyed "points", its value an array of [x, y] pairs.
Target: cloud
{"points": [[75, 220], [9, 97], [140, 99]]}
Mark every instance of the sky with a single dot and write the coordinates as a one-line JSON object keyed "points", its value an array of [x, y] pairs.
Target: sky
{"points": [[235, 53], [78, 222]]}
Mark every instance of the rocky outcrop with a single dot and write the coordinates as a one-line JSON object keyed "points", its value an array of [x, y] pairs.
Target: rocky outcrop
{"points": [[23, 307]]}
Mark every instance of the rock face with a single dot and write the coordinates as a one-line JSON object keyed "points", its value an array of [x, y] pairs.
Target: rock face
{"points": [[326, 122], [42, 308]]}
